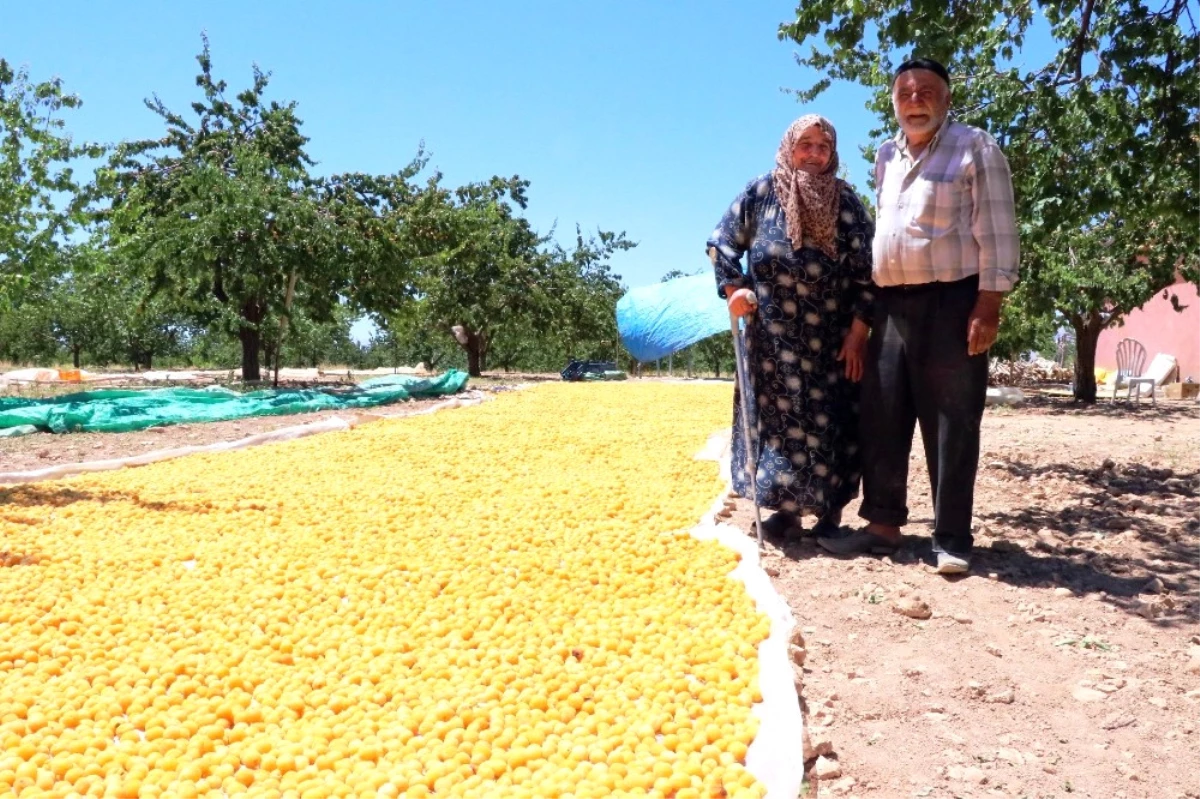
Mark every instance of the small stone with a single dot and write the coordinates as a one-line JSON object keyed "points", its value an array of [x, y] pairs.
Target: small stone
{"points": [[771, 571], [1004, 697], [914, 671], [912, 608], [993, 576], [819, 744], [798, 654], [1155, 586], [796, 638], [1088, 694], [827, 769], [994, 650], [1047, 541], [961, 619], [1128, 772], [971, 774], [1011, 756], [843, 786], [1010, 547], [1117, 720], [1049, 769], [1063, 592], [1158, 702], [1147, 610]]}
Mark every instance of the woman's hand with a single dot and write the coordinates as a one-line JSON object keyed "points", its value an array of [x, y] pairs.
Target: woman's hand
{"points": [[742, 303], [854, 350]]}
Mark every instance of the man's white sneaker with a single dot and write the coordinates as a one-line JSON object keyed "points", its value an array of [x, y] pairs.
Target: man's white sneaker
{"points": [[952, 564]]}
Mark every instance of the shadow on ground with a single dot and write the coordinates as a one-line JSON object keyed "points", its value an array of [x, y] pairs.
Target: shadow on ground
{"points": [[43, 496], [1155, 575]]}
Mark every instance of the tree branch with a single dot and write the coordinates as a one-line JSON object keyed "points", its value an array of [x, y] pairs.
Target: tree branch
{"points": [[1085, 22]]}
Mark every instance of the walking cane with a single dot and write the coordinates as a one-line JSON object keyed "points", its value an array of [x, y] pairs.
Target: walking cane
{"points": [[743, 383]]}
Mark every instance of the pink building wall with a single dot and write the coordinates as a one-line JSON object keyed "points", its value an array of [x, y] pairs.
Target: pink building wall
{"points": [[1160, 329]]}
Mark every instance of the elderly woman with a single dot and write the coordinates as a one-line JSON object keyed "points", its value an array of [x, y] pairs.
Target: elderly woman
{"points": [[808, 271]]}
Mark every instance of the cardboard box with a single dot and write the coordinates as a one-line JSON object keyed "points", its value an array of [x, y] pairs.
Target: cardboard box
{"points": [[1181, 390]]}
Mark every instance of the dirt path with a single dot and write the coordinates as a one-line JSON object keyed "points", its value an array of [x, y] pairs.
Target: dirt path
{"points": [[1066, 665], [40, 450]]}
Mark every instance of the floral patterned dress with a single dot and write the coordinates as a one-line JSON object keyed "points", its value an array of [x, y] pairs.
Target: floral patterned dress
{"points": [[806, 409]]}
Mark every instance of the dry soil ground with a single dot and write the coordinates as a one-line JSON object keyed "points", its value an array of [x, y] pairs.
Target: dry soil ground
{"points": [[1067, 664]]}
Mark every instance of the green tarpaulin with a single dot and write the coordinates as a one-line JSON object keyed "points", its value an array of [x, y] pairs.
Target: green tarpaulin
{"points": [[121, 410]]}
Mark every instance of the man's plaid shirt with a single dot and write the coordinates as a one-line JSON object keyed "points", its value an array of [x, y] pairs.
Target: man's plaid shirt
{"points": [[946, 215]]}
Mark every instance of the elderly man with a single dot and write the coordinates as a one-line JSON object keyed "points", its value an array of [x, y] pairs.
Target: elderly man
{"points": [[945, 252]]}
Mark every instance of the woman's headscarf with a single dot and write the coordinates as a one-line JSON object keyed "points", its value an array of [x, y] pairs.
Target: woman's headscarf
{"points": [[810, 202]]}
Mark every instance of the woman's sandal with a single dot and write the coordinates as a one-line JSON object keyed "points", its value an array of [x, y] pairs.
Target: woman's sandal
{"points": [[845, 541]]}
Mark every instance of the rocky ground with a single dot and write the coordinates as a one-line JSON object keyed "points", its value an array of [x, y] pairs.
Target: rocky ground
{"points": [[1067, 664]]}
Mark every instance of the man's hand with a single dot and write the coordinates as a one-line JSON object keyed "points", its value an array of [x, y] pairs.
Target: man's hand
{"points": [[984, 322], [854, 350], [742, 303]]}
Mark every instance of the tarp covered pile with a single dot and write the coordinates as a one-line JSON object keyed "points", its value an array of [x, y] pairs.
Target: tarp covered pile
{"points": [[121, 410]]}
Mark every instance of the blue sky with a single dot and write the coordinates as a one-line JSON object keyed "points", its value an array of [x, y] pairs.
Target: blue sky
{"points": [[634, 116]]}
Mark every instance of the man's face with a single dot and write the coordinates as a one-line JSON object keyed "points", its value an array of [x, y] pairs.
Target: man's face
{"points": [[921, 100]]}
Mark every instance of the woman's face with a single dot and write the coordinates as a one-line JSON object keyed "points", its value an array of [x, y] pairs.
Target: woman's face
{"points": [[813, 151]]}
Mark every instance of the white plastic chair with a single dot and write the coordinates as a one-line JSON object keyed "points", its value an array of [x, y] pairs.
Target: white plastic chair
{"points": [[1131, 361]]}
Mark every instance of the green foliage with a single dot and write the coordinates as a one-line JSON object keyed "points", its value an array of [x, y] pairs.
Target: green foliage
{"points": [[1101, 138], [215, 243], [224, 215], [35, 157], [487, 278], [1023, 330]]}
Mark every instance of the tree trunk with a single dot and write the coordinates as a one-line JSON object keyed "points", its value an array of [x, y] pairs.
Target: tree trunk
{"points": [[75, 353], [476, 345], [1087, 334], [475, 355], [251, 338]]}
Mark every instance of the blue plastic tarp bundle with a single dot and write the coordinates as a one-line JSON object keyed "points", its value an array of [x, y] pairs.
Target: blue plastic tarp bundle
{"points": [[655, 321]]}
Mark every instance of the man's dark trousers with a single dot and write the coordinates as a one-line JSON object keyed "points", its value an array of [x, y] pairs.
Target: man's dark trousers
{"points": [[918, 370]]}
